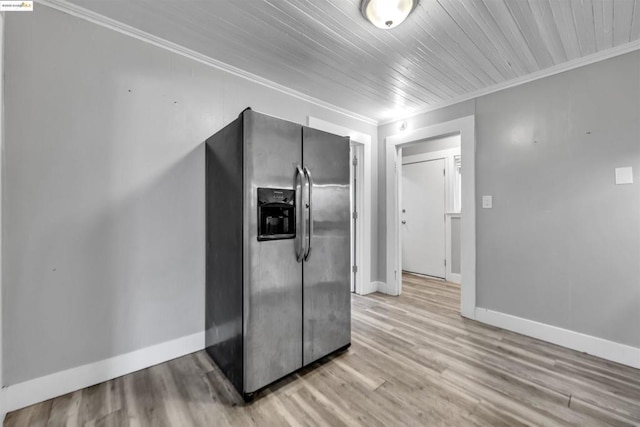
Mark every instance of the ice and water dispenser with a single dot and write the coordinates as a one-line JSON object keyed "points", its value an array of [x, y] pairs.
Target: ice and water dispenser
{"points": [[276, 214]]}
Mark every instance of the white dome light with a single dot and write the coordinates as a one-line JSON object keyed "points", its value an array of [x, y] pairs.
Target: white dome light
{"points": [[387, 14]]}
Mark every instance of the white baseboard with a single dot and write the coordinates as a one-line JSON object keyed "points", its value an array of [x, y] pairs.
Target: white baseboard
{"points": [[609, 350], [369, 288], [44, 388], [385, 289], [454, 278], [3, 410]]}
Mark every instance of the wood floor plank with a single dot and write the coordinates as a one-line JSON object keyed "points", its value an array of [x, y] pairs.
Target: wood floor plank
{"points": [[65, 409], [414, 361]]}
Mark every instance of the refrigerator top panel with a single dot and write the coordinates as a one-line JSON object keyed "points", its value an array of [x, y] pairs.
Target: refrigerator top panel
{"points": [[272, 283]]}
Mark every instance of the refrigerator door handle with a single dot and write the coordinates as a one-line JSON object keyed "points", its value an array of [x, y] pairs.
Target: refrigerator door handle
{"points": [[309, 206], [300, 235]]}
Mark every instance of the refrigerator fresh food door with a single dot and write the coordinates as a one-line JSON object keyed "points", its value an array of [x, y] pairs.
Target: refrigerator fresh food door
{"points": [[272, 318], [326, 280]]}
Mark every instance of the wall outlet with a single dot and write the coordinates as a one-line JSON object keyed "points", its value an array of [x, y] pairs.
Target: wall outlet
{"points": [[487, 202]]}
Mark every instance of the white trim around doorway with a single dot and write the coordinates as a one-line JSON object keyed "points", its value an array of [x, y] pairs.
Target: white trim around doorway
{"points": [[465, 127], [357, 207], [361, 142]]}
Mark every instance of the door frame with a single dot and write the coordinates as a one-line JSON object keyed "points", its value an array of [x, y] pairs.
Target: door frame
{"points": [[465, 127], [356, 152], [361, 144]]}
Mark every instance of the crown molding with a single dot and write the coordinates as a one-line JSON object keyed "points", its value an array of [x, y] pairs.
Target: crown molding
{"points": [[547, 72], [112, 24], [96, 18]]}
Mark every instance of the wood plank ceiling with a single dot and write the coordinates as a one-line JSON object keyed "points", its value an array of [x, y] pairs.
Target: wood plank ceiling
{"points": [[445, 49]]}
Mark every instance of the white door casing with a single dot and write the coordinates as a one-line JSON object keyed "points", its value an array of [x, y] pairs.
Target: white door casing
{"points": [[423, 218], [464, 126], [357, 202]]}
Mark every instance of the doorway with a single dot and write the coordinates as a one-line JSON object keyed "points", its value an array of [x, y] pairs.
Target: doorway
{"points": [[423, 218], [465, 128], [430, 187]]}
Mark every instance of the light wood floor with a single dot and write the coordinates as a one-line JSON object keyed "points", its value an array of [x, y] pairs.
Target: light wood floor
{"points": [[414, 361]]}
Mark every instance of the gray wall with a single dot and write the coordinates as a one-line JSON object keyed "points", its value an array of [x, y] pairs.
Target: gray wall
{"points": [[103, 213], [562, 242], [455, 245]]}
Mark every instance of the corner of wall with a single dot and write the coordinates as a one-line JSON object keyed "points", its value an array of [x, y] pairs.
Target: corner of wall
{"points": [[384, 288], [369, 288]]}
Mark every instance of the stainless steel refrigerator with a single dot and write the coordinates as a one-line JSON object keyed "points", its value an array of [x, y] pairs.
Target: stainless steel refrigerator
{"points": [[277, 248]]}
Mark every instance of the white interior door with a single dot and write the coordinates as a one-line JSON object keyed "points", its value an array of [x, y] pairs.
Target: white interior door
{"points": [[423, 218]]}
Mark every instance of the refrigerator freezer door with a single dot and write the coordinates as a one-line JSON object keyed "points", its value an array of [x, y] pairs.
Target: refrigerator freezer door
{"points": [[272, 318], [326, 281]]}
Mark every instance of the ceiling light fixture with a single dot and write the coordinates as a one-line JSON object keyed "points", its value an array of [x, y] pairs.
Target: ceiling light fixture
{"points": [[387, 14]]}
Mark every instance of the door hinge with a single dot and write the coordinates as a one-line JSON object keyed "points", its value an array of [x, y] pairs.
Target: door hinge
{"points": [[355, 161], [354, 269], [444, 172], [355, 215], [445, 262]]}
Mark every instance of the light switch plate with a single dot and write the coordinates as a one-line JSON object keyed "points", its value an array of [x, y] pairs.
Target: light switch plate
{"points": [[487, 202], [624, 175]]}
